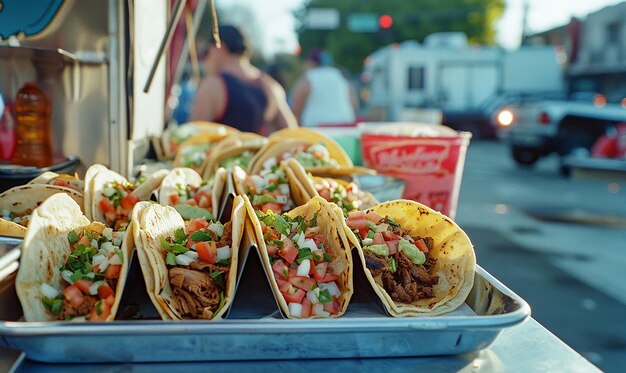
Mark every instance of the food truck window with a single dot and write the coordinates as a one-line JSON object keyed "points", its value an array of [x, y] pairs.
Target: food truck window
{"points": [[416, 78]]}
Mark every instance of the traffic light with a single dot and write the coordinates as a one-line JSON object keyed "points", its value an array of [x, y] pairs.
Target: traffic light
{"points": [[385, 21]]}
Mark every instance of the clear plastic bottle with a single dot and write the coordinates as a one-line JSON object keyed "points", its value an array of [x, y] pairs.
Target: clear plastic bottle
{"points": [[33, 139]]}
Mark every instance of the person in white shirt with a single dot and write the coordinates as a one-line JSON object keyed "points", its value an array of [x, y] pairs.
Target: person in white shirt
{"points": [[323, 96]]}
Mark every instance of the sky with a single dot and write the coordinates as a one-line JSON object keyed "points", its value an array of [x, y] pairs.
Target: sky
{"points": [[280, 36]]}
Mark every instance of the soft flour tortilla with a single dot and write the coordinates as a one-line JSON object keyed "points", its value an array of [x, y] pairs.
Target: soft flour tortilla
{"points": [[173, 137], [46, 248], [23, 199], [50, 177], [330, 221], [231, 146], [91, 173], [312, 136], [184, 176], [453, 250], [150, 223]]}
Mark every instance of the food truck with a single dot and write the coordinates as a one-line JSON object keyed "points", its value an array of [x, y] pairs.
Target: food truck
{"points": [[300, 289]]}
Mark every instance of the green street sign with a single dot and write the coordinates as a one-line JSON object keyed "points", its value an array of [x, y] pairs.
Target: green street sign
{"points": [[362, 22]]}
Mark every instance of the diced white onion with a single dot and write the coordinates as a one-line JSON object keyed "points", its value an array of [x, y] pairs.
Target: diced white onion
{"points": [[93, 289], [104, 265], [283, 189], [295, 310], [281, 199], [94, 243], [6, 213], [298, 238], [97, 259], [183, 260], [258, 181], [117, 241], [318, 310], [115, 259], [368, 241], [304, 268], [269, 163], [49, 291], [108, 191], [107, 246], [312, 295], [332, 288], [408, 238], [192, 254], [217, 229], [108, 233], [309, 243], [78, 319], [222, 253], [67, 276], [91, 275]]}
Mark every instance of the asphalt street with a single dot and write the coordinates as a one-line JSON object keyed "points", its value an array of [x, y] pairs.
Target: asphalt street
{"points": [[560, 243]]}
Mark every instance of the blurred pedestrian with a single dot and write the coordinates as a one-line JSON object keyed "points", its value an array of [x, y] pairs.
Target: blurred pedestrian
{"points": [[323, 96], [236, 93]]}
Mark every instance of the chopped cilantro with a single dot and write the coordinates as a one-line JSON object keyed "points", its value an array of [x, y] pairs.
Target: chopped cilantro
{"points": [[201, 235], [324, 296], [179, 236], [281, 225], [313, 221], [327, 258], [303, 254], [223, 263], [271, 187], [218, 277], [392, 264], [170, 259], [173, 248], [99, 307], [72, 237]]}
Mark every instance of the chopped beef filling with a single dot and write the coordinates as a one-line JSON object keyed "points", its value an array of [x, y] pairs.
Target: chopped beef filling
{"points": [[69, 312], [227, 236], [195, 292], [409, 282]]}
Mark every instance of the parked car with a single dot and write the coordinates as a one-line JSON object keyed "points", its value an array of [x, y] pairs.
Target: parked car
{"points": [[537, 129]]}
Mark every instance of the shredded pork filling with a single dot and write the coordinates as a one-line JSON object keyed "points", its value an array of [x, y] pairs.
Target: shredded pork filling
{"points": [[196, 294]]}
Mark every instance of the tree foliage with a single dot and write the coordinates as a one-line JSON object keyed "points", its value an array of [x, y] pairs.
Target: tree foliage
{"points": [[413, 20]]}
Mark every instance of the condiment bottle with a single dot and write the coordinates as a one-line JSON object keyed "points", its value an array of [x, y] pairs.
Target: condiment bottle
{"points": [[33, 139]]}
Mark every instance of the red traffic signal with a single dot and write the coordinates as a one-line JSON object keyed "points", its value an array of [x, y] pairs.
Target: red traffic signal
{"points": [[385, 21]]}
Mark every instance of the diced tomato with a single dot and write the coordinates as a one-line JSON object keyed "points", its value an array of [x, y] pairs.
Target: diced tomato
{"points": [[112, 271], [110, 300], [373, 217], [363, 232], [104, 291], [106, 205], [203, 198], [62, 183], [174, 198], [421, 245], [332, 307], [293, 272], [289, 252], [306, 308], [73, 295], [105, 311], [302, 282], [84, 240], [195, 225], [378, 239], [356, 220], [129, 201], [329, 277], [83, 285], [388, 236], [325, 193], [317, 255], [280, 269], [192, 202], [276, 207], [319, 271], [207, 251], [295, 297], [393, 246], [272, 250]]}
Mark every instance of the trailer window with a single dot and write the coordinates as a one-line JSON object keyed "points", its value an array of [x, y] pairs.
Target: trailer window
{"points": [[416, 78]]}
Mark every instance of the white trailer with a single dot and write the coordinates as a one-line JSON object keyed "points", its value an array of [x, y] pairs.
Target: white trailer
{"points": [[446, 73]]}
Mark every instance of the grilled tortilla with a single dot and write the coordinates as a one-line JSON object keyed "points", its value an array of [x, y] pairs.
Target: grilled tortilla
{"points": [[445, 251]]}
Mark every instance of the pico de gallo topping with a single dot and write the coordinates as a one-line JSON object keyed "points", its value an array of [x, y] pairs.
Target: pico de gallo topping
{"points": [[198, 260], [62, 183], [306, 273], [404, 262], [89, 277], [117, 204], [194, 155], [269, 190], [193, 202], [21, 219], [242, 160], [348, 198], [315, 155]]}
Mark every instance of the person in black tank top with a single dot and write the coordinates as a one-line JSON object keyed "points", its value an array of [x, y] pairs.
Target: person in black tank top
{"points": [[236, 93]]}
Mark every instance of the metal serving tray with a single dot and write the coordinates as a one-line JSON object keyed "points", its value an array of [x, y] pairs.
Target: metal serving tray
{"points": [[255, 330]]}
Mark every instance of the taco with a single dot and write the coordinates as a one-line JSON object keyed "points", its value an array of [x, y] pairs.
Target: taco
{"points": [[192, 197], [347, 195], [112, 197], [315, 157], [276, 187], [70, 269], [235, 150], [173, 137], [190, 269], [418, 261], [17, 204], [195, 150], [62, 180], [306, 256], [311, 136]]}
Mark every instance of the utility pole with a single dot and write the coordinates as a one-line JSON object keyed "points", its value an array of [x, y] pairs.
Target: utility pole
{"points": [[524, 22]]}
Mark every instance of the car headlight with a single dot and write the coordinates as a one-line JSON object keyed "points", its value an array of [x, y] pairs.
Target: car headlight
{"points": [[505, 118]]}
